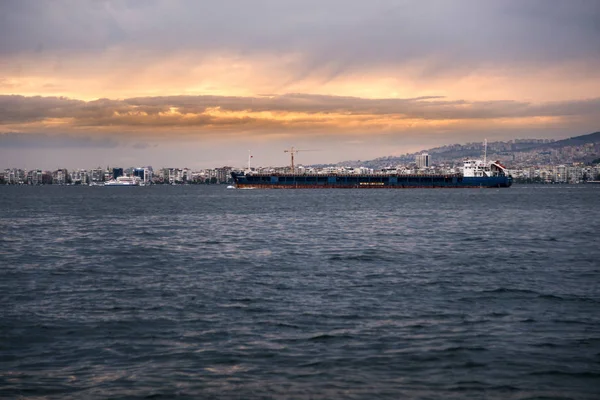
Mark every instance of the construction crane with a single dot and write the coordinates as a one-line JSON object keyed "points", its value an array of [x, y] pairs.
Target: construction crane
{"points": [[293, 151]]}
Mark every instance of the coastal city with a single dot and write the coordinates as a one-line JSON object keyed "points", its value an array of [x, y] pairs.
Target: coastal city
{"points": [[469, 269], [528, 161]]}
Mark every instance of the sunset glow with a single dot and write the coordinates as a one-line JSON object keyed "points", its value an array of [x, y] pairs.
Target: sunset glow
{"points": [[143, 72]]}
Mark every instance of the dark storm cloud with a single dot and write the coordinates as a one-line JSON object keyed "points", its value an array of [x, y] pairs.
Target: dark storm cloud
{"points": [[18, 109], [174, 111], [333, 36], [12, 140]]}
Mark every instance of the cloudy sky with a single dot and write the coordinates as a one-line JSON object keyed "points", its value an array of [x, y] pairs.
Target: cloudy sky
{"points": [[200, 83]]}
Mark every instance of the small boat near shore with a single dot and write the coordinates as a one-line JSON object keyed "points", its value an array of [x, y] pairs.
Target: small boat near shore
{"points": [[124, 181]]}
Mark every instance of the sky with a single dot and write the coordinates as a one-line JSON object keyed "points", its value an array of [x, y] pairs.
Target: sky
{"points": [[200, 84]]}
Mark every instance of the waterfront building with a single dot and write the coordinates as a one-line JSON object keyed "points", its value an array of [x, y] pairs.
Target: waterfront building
{"points": [[211, 175], [79, 177], [96, 175], [574, 174], [139, 172], [116, 172], [186, 175], [175, 175], [224, 174], [34, 177], [47, 178], [15, 176], [561, 175], [60, 177], [148, 175], [163, 175], [144, 173], [423, 160]]}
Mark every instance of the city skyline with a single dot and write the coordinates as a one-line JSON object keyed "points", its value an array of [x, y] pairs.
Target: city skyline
{"points": [[184, 83], [577, 149]]}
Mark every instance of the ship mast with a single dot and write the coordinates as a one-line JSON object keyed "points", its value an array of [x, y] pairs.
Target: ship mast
{"points": [[485, 152]]}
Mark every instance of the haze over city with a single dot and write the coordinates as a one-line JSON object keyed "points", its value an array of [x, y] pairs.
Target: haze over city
{"points": [[198, 84]]}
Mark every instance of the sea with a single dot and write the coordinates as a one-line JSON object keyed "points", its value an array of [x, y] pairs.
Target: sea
{"points": [[200, 292]]}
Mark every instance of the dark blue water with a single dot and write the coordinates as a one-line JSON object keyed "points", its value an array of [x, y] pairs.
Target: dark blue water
{"points": [[202, 292]]}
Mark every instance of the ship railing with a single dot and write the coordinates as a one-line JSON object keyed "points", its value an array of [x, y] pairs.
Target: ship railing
{"points": [[362, 175]]}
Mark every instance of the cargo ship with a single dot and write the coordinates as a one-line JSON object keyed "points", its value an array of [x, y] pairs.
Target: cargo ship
{"points": [[476, 174]]}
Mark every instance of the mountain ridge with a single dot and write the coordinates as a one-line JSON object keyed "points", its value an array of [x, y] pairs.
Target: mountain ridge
{"points": [[537, 150]]}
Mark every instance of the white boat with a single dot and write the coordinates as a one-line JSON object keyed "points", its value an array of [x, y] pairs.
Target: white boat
{"points": [[124, 181]]}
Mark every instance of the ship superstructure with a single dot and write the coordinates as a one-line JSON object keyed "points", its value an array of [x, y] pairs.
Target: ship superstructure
{"points": [[124, 181]]}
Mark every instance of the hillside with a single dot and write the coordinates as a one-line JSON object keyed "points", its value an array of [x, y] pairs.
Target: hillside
{"points": [[578, 140], [584, 148]]}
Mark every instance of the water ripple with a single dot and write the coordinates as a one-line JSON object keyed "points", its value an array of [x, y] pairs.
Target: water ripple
{"points": [[201, 292]]}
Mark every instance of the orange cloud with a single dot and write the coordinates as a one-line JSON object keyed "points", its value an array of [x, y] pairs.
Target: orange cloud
{"points": [[123, 73], [278, 115]]}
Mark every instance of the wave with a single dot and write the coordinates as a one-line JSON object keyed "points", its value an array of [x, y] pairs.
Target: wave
{"points": [[327, 337], [456, 349], [573, 374], [365, 255], [510, 290]]}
